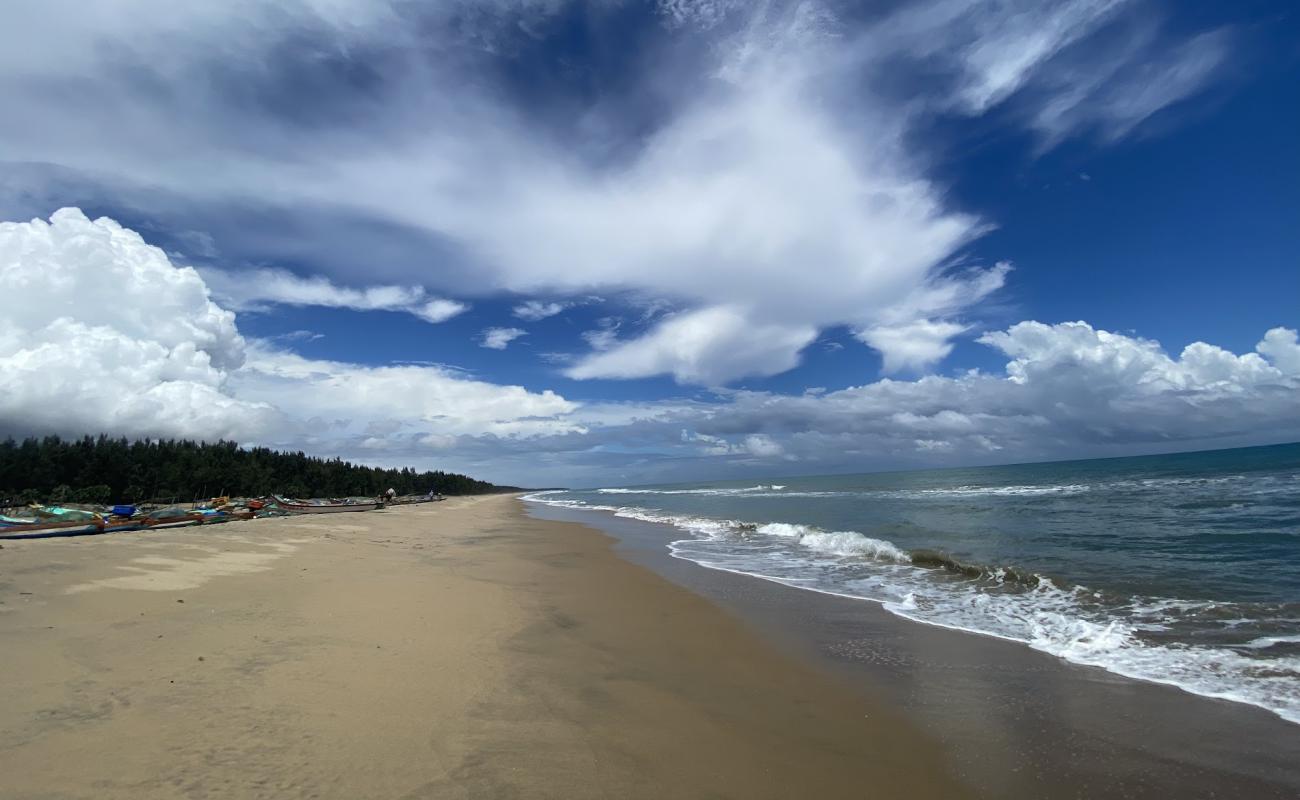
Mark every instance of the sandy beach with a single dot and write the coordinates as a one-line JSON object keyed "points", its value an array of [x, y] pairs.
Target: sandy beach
{"points": [[459, 649]]}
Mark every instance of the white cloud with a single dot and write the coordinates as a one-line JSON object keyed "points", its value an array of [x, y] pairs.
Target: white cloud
{"points": [[774, 194], [104, 334], [933, 445], [749, 183], [534, 310], [422, 401], [299, 336], [756, 444], [253, 290], [1072, 66], [698, 13], [1068, 391], [111, 337], [1009, 42], [1118, 89], [605, 336], [178, 367], [761, 445], [779, 180], [710, 346], [500, 338], [1280, 346], [915, 345], [439, 310], [1088, 363]]}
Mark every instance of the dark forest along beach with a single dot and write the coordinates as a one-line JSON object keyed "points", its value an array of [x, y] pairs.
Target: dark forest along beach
{"points": [[1179, 569]]}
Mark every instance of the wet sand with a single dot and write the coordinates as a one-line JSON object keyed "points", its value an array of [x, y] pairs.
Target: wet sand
{"points": [[1013, 722], [459, 649]]}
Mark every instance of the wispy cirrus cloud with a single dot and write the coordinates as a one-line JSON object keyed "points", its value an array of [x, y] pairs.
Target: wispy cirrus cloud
{"points": [[257, 289], [763, 149]]}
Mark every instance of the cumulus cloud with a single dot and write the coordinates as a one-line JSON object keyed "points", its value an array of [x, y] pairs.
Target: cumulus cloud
{"points": [[1279, 346], [111, 337], [500, 338], [254, 290], [105, 334], [1068, 390]]}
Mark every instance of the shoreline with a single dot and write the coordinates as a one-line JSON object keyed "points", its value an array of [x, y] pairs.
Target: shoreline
{"points": [[1017, 722], [458, 650]]}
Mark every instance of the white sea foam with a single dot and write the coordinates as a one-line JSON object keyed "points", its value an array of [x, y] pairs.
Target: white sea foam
{"points": [[1265, 642], [784, 529], [716, 491], [994, 491], [837, 543], [1068, 623]]}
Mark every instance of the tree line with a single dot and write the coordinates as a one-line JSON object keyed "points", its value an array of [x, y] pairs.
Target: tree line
{"points": [[116, 470]]}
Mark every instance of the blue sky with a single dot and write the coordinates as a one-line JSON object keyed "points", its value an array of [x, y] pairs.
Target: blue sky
{"points": [[707, 239]]}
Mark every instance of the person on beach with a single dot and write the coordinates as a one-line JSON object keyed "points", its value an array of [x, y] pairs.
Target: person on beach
{"points": [[390, 495]]}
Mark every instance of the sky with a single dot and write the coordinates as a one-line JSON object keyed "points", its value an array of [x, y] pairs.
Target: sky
{"points": [[557, 243]]}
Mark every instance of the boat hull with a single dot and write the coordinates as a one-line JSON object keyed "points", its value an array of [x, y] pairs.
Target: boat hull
{"points": [[42, 531], [332, 508]]}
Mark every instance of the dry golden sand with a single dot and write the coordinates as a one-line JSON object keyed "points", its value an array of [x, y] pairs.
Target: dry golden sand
{"points": [[450, 650]]}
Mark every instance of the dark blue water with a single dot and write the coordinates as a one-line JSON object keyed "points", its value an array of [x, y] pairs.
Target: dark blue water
{"points": [[1183, 569]]}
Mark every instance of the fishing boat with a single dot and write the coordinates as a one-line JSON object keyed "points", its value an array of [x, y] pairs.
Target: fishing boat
{"points": [[412, 499], [172, 518], [46, 529], [39, 522], [43, 529], [323, 507]]}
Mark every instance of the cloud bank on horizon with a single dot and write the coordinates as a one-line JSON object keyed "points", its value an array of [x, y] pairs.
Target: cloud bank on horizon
{"points": [[162, 359], [737, 181]]}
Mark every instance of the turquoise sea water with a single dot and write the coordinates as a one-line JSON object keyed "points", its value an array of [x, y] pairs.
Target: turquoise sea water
{"points": [[1182, 569]]}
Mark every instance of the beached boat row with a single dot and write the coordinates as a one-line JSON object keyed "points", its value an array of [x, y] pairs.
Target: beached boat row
{"points": [[39, 522], [49, 521]]}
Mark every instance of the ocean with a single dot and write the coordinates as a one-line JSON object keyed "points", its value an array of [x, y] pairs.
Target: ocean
{"points": [[1180, 569]]}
